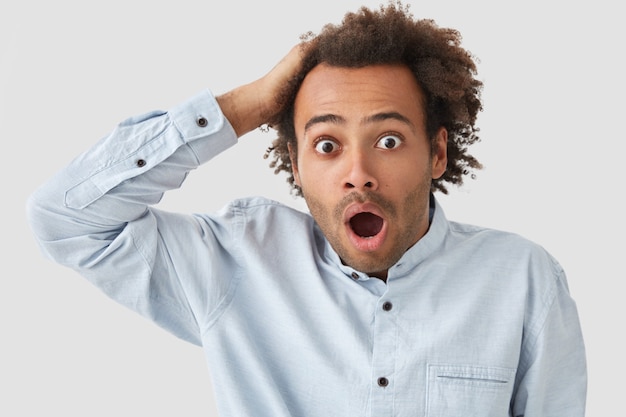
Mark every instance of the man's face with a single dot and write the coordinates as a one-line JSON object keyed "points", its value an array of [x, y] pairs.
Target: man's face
{"points": [[364, 161]]}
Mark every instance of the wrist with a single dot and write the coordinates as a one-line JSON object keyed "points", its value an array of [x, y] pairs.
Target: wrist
{"points": [[244, 107]]}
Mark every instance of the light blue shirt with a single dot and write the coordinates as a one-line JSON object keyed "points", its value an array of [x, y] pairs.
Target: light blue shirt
{"points": [[471, 321]]}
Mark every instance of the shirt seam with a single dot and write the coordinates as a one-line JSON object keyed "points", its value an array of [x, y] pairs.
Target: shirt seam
{"points": [[222, 305], [548, 304]]}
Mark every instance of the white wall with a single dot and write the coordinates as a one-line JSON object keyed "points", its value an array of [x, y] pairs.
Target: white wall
{"points": [[70, 70]]}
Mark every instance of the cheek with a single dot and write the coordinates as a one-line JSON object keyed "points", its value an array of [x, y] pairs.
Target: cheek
{"points": [[401, 173], [314, 174], [404, 178]]}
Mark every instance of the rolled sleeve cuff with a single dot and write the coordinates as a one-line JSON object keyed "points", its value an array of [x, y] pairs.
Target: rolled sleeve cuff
{"points": [[141, 143]]}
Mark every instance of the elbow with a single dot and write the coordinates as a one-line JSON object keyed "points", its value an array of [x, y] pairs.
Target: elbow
{"points": [[62, 235], [42, 214]]}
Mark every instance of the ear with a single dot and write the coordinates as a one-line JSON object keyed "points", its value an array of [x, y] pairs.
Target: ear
{"points": [[294, 164], [440, 153]]}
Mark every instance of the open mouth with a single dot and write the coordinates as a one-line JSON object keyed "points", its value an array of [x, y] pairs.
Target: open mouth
{"points": [[366, 224]]}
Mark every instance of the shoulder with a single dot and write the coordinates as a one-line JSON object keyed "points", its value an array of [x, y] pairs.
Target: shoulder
{"points": [[495, 239], [268, 216], [262, 206], [528, 273], [505, 249]]}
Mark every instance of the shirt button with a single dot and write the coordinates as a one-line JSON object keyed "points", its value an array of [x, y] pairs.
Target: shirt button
{"points": [[383, 382], [201, 121], [355, 275], [387, 306], [141, 163]]}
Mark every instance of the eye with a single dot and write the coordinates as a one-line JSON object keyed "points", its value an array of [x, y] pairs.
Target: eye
{"points": [[326, 146], [389, 141]]}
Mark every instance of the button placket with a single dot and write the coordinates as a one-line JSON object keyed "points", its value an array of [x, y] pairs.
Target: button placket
{"points": [[385, 335]]}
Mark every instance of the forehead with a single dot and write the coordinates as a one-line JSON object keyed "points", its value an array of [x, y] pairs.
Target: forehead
{"points": [[356, 94]]}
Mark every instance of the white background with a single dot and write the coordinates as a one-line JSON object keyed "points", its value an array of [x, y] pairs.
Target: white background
{"points": [[552, 142]]}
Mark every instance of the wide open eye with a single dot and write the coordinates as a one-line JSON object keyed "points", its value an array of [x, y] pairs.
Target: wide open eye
{"points": [[389, 141], [326, 146]]}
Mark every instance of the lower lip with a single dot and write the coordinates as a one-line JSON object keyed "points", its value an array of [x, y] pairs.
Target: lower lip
{"points": [[367, 244]]}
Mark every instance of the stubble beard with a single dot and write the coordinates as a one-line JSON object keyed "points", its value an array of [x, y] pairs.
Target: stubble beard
{"points": [[414, 210]]}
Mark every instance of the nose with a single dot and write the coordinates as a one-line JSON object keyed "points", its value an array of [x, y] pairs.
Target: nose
{"points": [[359, 173]]}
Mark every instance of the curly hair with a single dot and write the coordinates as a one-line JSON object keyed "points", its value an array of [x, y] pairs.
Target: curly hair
{"points": [[444, 70]]}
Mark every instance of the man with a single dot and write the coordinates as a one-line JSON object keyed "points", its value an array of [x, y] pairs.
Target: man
{"points": [[374, 304]]}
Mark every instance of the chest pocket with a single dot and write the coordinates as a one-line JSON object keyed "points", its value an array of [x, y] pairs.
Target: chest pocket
{"points": [[462, 390]]}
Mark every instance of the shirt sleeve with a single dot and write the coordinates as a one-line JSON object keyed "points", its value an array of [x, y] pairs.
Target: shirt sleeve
{"points": [[95, 216], [552, 375]]}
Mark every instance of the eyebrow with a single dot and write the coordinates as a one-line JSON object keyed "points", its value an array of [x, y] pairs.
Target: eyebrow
{"points": [[324, 118], [378, 117]]}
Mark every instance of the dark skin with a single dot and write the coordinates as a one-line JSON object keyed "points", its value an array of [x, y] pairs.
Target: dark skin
{"points": [[256, 103], [390, 35], [251, 105]]}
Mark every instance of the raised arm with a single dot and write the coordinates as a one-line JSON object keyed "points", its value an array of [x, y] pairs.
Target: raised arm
{"points": [[96, 215]]}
